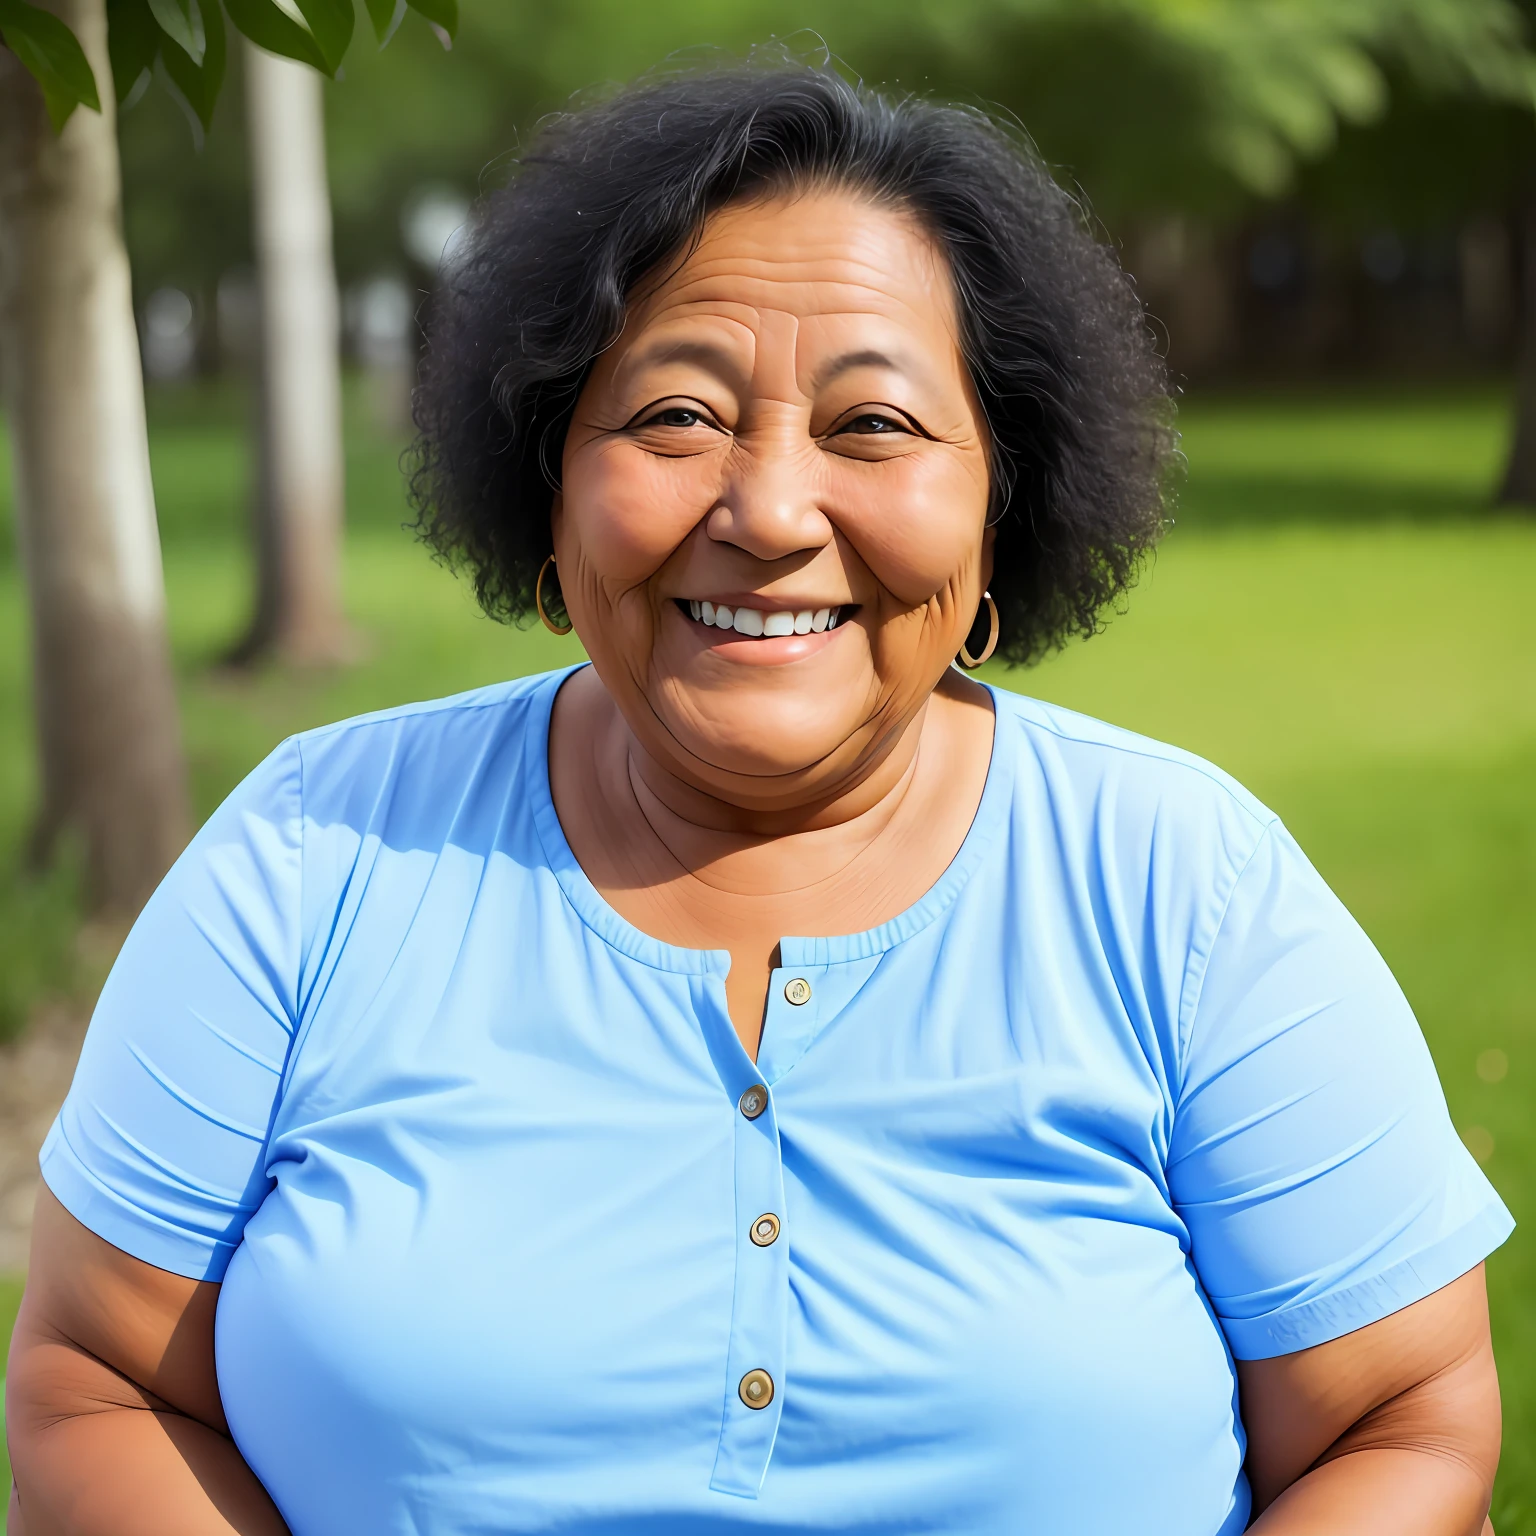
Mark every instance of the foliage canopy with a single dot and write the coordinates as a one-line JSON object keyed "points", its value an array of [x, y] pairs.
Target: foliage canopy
{"points": [[185, 42]]}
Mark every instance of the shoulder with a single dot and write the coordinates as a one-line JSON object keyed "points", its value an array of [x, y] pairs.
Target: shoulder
{"points": [[1134, 851], [1142, 835], [1053, 735], [477, 713], [435, 750], [413, 778], [1102, 774]]}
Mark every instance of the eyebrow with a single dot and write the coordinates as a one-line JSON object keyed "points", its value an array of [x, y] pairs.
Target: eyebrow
{"points": [[706, 354], [851, 360]]}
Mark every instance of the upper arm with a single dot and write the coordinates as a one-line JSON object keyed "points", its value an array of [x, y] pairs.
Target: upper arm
{"points": [[1420, 1379], [100, 1329], [113, 1410]]}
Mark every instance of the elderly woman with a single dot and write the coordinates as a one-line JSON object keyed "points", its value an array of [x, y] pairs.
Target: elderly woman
{"points": [[765, 1079]]}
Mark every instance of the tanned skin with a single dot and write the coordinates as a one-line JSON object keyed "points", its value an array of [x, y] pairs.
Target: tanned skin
{"points": [[786, 422]]}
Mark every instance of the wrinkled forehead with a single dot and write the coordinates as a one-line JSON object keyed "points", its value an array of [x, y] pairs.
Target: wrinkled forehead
{"points": [[806, 277]]}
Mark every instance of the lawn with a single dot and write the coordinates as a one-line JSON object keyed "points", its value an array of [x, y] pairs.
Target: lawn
{"points": [[1334, 618]]}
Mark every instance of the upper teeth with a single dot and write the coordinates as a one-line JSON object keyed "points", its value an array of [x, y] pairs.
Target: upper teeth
{"points": [[752, 621]]}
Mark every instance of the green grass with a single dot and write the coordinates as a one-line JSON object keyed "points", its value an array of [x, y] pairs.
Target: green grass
{"points": [[10, 1300], [1335, 618]]}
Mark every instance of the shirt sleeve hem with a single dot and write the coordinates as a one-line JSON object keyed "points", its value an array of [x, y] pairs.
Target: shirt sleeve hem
{"points": [[125, 1227], [1332, 1316]]}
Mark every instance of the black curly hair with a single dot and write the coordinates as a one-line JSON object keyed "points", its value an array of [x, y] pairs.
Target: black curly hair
{"points": [[1075, 395]]}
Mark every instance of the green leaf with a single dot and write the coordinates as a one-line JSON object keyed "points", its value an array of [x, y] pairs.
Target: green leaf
{"points": [[50, 53], [331, 23], [182, 22], [275, 30], [441, 13], [199, 84], [133, 41], [386, 16]]}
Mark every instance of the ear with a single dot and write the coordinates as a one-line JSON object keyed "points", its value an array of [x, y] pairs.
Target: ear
{"points": [[988, 547], [556, 516]]}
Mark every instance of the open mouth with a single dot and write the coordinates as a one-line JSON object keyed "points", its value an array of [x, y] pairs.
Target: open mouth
{"points": [[757, 624]]}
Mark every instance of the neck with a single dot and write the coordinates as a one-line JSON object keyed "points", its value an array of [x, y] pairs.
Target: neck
{"points": [[880, 776], [712, 842], [695, 833]]}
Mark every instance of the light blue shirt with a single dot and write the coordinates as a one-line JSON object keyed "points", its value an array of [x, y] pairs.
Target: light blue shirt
{"points": [[1125, 1095]]}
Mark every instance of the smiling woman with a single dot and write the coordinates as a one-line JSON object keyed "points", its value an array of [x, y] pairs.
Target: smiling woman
{"points": [[1046, 335], [763, 1079]]}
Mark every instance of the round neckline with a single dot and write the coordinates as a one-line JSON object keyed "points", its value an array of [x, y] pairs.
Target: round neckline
{"points": [[593, 908]]}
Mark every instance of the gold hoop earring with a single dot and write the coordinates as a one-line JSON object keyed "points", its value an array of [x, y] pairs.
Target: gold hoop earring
{"points": [[538, 602], [969, 662]]}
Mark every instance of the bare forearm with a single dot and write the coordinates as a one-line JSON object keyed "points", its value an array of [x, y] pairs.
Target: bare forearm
{"points": [[1382, 1492], [131, 1472]]}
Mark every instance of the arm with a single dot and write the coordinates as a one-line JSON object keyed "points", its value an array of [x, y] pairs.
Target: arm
{"points": [[1393, 1428], [113, 1411]]}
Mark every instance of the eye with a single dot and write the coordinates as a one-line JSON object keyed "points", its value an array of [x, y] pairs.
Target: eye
{"points": [[678, 417], [871, 424]]}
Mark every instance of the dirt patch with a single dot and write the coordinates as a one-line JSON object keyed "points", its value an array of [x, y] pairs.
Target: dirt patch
{"points": [[35, 1073]]}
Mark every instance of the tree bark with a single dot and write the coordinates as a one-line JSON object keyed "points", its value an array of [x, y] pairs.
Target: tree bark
{"points": [[1519, 485], [300, 493], [70, 380]]}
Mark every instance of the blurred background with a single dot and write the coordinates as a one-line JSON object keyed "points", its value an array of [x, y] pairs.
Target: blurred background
{"points": [[1330, 210]]}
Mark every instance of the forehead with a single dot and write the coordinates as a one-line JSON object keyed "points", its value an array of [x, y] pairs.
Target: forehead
{"points": [[821, 261]]}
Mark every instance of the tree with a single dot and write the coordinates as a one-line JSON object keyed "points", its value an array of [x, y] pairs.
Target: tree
{"points": [[1518, 487], [103, 696], [1203, 109], [299, 510], [111, 765]]}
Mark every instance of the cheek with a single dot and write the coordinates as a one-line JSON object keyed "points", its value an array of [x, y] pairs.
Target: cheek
{"points": [[918, 532], [627, 511]]}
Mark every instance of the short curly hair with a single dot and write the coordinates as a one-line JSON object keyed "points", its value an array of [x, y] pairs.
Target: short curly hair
{"points": [[1075, 394]]}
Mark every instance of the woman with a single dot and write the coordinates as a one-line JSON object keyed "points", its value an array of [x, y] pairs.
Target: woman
{"points": [[464, 1144]]}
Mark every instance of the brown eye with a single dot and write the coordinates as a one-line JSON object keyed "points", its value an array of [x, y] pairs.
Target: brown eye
{"points": [[871, 425], [677, 416]]}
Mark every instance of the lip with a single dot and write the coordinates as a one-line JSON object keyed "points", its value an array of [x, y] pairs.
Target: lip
{"points": [[774, 604], [755, 651]]}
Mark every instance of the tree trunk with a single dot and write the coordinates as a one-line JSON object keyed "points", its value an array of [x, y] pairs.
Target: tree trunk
{"points": [[300, 497], [1519, 486], [70, 380]]}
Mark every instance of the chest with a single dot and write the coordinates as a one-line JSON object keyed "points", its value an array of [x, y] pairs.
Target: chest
{"points": [[692, 915], [515, 1269]]}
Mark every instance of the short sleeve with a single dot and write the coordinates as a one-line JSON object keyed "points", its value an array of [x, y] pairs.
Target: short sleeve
{"points": [[1312, 1159], [160, 1145]]}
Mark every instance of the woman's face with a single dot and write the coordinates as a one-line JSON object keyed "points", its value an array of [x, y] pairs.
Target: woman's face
{"points": [[783, 439]]}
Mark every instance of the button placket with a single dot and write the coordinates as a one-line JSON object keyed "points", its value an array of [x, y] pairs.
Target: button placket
{"points": [[755, 1385]]}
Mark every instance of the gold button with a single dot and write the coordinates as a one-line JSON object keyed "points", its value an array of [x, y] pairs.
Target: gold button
{"points": [[798, 991], [754, 1101], [756, 1389], [765, 1229]]}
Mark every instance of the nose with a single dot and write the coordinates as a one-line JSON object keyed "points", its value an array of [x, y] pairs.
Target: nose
{"points": [[768, 505]]}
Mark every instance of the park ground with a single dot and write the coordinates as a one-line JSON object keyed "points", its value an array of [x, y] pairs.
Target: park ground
{"points": [[1336, 617]]}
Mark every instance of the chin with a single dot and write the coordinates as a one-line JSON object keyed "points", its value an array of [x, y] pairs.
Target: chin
{"points": [[755, 733]]}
